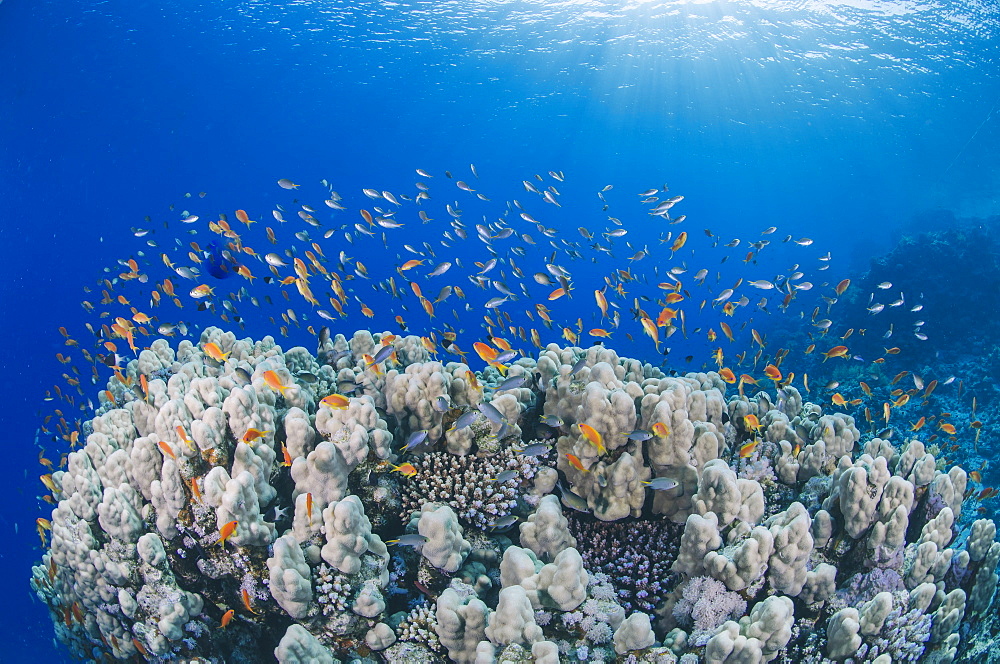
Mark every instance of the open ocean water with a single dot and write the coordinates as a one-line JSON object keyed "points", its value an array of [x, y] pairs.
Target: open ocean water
{"points": [[852, 124]]}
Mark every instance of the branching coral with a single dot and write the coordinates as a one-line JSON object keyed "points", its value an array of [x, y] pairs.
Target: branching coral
{"points": [[635, 555], [468, 484]]}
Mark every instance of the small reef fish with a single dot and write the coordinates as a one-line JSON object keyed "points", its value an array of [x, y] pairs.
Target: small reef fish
{"points": [[661, 484], [660, 430], [253, 434], [535, 449], [226, 531], [413, 539], [594, 436], [213, 351], [272, 380], [465, 420], [576, 463], [416, 438], [748, 448], [336, 401], [406, 469]]}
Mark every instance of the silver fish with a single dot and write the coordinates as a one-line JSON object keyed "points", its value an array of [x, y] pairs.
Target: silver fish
{"points": [[511, 383], [504, 476], [413, 539], [507, 356], [440, 269], [573, 501], [661, 484], [553, 421], [535, 449], [383, 353], [491, 413], [465, 420], [416, 438], [504, 523]]}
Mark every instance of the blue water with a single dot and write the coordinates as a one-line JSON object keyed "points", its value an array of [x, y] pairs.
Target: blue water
{"points": [[837, 121]]}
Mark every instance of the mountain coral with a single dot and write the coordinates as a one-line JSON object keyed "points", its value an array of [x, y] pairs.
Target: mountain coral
{"points": [[175, 535]]}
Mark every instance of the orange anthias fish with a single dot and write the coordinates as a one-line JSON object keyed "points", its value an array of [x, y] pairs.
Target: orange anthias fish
{"points": [[48, 482], [182, 435], [838, 399], [948, 428], [254, 434], [751, 422], [748, 448], [226, 531], [594, 436], [41, 525], [660, 430], [213, 351], [650, 328], [227, 618], [772, 372], [273, 381], [836, 351], [602, 303], [244, 217], [727, 375], [245, 596], [679, 242], [336, 401], [473, 381], [371, 364], [576, 463], [485, 352], [406, 470], [665, 317], [918, 424], [204, 290]]}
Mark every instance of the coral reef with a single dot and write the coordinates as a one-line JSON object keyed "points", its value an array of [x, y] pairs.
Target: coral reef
{"points": [[235, 510]]}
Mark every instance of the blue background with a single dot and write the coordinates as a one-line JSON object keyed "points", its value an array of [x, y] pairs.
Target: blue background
{"points": [[835, 122]]}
